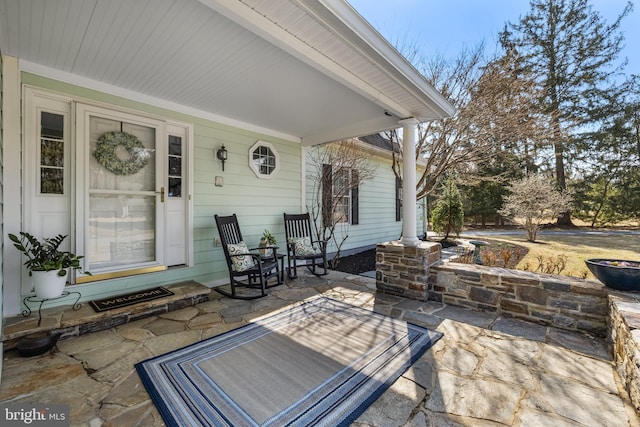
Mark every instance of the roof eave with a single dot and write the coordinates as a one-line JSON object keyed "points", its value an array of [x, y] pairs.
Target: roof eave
{"points": [[354, 29], [400, 68]]}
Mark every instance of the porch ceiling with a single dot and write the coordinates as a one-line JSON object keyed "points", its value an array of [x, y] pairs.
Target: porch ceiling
{"points": [[307, 70]]}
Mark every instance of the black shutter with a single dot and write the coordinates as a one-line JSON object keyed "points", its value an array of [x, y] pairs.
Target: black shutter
{"points": [[327, 196], [398, 199], [355, 205]]}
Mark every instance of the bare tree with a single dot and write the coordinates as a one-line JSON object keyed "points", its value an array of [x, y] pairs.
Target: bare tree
{"points": [[534, 201], [442, 144], [337, 171], [494, 103], [506, 112]]}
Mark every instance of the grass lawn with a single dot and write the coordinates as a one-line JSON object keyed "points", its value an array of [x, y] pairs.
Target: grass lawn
{"points": [[575, 249]]}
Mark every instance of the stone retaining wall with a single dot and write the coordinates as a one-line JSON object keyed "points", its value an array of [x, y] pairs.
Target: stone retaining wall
{"points": [[559, 301], [552, 300], [624, 334], [417, 272]]}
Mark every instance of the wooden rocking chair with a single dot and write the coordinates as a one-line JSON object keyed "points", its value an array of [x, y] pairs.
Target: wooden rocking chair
{"points": [[302, 247], [246, 269]]}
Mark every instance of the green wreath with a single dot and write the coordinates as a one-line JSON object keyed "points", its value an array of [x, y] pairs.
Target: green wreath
{"points": [[105, 153]]}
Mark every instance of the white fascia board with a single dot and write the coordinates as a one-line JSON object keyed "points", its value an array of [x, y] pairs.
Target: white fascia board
{"points": [[88, 83], [402, 68], [258, 24]]}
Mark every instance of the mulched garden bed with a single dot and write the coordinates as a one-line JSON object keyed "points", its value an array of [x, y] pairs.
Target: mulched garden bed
{"points": [[496, 254], [357, 263]]}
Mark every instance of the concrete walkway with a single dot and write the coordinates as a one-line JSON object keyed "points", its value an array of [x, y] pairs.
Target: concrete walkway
{"points": [[485, 371]]}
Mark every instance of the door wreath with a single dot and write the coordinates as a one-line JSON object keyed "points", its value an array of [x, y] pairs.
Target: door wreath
{"points": [[105, 153]]}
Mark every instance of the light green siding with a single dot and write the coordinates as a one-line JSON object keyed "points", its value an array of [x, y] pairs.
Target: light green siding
{"points": [[377, 210], [259, 203], [377, 206]]}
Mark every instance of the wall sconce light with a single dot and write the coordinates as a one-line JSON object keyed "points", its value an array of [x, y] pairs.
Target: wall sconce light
{"points": [[221, 154]]}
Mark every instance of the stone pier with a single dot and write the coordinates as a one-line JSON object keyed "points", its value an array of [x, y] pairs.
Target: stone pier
{"points": [[404, 269]]}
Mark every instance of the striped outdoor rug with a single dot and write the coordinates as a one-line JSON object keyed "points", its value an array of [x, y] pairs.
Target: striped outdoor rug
{"points": [[322, 362]]}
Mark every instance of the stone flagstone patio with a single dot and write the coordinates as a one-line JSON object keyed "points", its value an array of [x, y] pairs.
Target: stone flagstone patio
{"points": [[486, 371]]}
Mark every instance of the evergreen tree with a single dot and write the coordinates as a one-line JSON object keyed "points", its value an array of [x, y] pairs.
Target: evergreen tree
{"points": [[610, 184], [448, 216], [571, 51]]}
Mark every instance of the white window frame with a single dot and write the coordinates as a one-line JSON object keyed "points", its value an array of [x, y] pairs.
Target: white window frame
{"points": [[185, 131], [46, 214], [255, 168], [339, 197]]}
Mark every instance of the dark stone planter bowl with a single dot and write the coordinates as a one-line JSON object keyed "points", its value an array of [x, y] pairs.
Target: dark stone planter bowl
{"points": [[37, 344], [615, 273]]}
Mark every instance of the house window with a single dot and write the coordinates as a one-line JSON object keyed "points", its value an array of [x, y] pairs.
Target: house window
{"points": [[340, 195], [51, 153], [175, 166], [263, 159]]}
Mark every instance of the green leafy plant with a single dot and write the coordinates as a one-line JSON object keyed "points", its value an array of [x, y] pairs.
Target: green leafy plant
{"points": [[269, 238], [45, 255]]}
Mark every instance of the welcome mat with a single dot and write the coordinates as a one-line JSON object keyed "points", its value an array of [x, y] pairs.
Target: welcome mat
{"points": [[129, 299], [322, 362]]}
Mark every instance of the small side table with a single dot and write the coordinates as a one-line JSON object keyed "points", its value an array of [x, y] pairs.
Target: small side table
{"points": [[278, 257], [40, 301]]}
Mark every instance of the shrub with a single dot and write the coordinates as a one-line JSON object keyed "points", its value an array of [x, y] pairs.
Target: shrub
{"points": [[534, 200], [448, 215]]}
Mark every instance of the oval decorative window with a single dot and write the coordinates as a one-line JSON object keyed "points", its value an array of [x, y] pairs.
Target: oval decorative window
{"points": [[263, 159]]}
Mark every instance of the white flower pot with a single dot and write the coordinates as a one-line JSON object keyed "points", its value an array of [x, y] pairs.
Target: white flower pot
{"points": [[263, 248], [47, 284]]}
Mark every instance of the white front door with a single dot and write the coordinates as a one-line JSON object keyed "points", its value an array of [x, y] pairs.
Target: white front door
{"points": [[120, 192], [119, 185]]}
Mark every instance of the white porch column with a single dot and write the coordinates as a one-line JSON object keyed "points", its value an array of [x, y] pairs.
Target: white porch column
{"points": [[409, 135]]}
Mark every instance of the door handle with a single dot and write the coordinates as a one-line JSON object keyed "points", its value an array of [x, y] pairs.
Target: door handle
{"points": [[161, 192]]}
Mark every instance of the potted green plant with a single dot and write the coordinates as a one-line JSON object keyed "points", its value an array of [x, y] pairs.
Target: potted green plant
{"points": [[267, 240], [47, 264]]}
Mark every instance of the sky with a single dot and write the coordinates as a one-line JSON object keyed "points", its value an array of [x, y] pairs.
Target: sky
{"points": [[445, 27]]}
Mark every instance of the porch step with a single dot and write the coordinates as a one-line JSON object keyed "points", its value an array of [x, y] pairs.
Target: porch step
{"points": [[71, 322]]}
